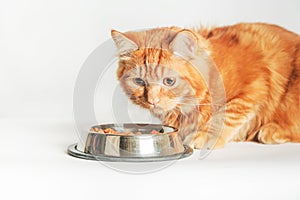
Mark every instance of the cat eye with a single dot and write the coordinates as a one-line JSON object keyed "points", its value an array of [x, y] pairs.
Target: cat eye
{"points": [[139, 81], [169, 81]]}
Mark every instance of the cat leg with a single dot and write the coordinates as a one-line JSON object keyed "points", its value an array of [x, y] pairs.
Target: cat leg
{"points": [[227, 133], [233, 125], [204, 140], [273, 133], [285, 127]]}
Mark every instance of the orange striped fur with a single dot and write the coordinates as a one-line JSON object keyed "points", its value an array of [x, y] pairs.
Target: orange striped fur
{"points": [[259, 65]]}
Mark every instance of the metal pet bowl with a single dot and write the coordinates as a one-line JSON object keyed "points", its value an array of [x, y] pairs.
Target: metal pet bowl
{"points": [[138, 145]]}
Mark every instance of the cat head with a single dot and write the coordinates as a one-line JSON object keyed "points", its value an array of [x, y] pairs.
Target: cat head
{"points": [[156, 68]]}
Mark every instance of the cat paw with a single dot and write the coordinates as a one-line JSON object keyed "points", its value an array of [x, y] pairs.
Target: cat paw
{"points": [[209, 142], [215, 142], [199, 141], [270, 134]]}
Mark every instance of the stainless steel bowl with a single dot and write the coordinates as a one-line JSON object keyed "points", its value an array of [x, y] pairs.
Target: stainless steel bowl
{"points": [[166, 145]]}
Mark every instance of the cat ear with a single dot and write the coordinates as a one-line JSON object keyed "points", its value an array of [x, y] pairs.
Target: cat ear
{"points": [[184, 44], [123, 43]]}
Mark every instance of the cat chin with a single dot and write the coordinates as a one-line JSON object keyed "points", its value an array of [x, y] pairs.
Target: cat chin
{"points": [[159, 112]]}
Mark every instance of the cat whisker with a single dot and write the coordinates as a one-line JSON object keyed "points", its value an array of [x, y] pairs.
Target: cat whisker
{"points": [[191, 98], [199, 104], [221, 101]]}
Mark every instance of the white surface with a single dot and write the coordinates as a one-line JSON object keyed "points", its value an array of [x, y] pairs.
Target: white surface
{"points": [[42, 46], [34, 165]]}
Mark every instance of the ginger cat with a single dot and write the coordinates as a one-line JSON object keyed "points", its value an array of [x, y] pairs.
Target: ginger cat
{"points": [[258, 65]]}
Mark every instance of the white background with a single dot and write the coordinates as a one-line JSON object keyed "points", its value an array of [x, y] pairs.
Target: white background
{"points": [[42, 47]]}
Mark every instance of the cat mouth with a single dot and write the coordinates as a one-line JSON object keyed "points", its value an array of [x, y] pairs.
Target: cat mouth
{"points": [[153, 106]]}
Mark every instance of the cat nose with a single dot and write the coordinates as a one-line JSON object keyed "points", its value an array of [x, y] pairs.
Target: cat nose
{"points": [[154, 101]]}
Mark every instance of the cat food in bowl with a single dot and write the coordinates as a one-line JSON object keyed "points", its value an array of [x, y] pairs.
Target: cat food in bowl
{"points": [[132, 142]]}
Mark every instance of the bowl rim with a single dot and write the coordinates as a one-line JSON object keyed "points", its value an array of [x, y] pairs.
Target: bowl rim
{"points": [[175, 130]]}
